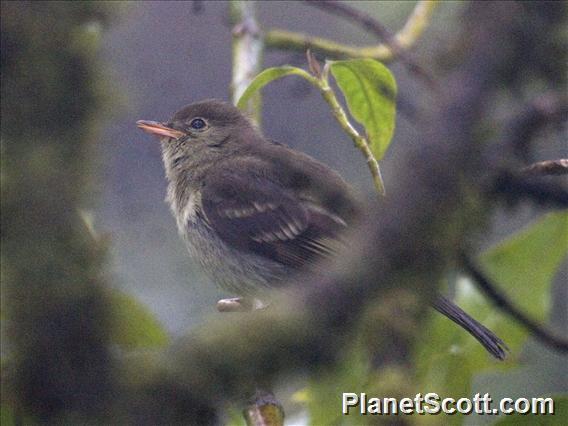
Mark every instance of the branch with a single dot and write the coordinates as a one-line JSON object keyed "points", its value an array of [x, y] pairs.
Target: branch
{"points": [[264, 410], [360, 18], [404, 39], [494, 295], [547, 168], [247, 52], [375, 27]]}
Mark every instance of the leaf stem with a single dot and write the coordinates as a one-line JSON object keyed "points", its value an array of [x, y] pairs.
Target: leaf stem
{"points": [[322, 84], [338, 112]]}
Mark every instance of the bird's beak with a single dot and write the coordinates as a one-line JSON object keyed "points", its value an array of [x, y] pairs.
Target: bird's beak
{"points": [[158, 129]]}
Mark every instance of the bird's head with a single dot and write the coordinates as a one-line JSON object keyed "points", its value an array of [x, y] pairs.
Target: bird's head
{"points": [[202, 132]]}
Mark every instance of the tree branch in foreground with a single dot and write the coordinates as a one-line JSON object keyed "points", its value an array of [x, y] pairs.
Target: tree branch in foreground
{"points": [[264, 410]]}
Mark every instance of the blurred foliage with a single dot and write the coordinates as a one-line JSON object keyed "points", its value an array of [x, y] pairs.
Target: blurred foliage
{"points": [[523, 266], [133, 326], [58, 313], [62, 319], [448, 359], [56, 94], [354, 373]]}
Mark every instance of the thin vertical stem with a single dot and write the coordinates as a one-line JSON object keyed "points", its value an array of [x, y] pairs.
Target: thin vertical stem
{"points": [[248, 49]]}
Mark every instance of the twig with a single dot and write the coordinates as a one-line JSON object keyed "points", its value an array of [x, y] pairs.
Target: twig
{"points": [[547, 168], [313, 64], [405, 38], [376, 28], [361, 18], [359, 141], [247, 52], [500, 300], [264, 410]]}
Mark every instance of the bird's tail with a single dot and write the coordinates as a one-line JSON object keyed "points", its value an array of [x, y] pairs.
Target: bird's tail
{"points": [[494, 345]]}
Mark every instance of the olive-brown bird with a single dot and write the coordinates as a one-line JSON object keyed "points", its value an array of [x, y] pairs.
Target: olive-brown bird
{"points": [[254, 212]]}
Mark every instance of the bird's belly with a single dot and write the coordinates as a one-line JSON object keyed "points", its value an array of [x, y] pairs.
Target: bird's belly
{"points": [[240, 273]]}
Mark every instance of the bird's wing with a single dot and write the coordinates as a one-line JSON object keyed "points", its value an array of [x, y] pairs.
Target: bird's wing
{"points": [[254, 214]]}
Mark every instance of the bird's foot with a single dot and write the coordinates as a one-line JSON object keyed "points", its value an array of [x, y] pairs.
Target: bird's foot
{"points": [[240, 304]]}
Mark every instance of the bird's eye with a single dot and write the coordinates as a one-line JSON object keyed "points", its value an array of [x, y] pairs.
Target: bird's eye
{"points": [[197, 124]]}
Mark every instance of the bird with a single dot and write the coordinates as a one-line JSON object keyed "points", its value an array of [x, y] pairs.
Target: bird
{"points": [[253, 212]]}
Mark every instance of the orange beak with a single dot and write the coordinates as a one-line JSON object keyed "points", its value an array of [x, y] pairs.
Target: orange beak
{"points": [[158, 129]]}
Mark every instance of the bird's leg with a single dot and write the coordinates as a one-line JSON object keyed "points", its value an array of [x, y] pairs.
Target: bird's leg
{"points": [[240, 304], [235, 304]]}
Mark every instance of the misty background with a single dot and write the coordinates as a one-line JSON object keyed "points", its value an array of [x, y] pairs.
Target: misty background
{"points": [[163, 55]]}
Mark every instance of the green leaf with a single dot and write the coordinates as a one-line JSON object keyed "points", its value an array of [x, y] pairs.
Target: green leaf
{"points": [[353, 372], [133, 326], [541, 373], [370, 92], [523, 267], [265, 77], [325, 390]]}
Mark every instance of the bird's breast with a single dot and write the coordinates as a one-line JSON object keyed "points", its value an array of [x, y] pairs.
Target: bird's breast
{"points": [[189, 211], [185, 206]]}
